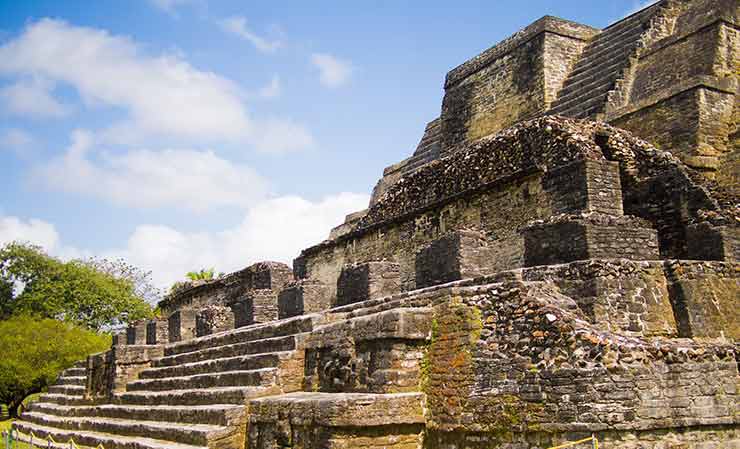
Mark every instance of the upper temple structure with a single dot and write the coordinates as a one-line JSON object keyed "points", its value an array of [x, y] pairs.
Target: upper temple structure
{"points": [[559, 259]]}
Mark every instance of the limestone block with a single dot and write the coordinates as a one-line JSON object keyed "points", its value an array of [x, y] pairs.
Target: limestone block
{"points": [[213, 318], [257, 306], [589, 236], [119, 339], [708, 242], [303, 296], [181, 325], [270, 275], [157, 332], [136, 333], [705, 298], [368, 280], [456, 255], [585, 186]]}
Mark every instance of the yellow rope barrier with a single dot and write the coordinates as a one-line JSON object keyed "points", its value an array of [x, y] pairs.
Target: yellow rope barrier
{"points": [[592, 439], [50, 439]]}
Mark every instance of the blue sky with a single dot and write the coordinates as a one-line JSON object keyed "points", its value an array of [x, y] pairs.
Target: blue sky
{"points": [[187, 133]]}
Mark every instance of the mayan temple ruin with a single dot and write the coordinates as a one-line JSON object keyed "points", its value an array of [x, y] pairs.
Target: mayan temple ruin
{"points": [[559, 257]]}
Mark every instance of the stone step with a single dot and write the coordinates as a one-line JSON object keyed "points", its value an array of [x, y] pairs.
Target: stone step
{"points": [[195, 434], [583, 108], [70, 380], [215, 414], [341, 409], [73, 372], [273, 329], [598, 50], [63, 399], [618, 52], [612, 70], [268, 345], [93, 439], [238, 363], [198, 396], [74, 390], [257, 377], [599, 87]]}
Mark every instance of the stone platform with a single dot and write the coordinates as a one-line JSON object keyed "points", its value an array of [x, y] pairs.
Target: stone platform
{"points": [[524, 279]]}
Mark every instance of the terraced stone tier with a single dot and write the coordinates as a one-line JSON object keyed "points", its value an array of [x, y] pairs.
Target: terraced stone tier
{"points": [[258, 377], [268, 345], [195, 434], [585, 91], [250, 333], [235, 363], [341, 409], [196, 396], [214, 414], [92, 439]]}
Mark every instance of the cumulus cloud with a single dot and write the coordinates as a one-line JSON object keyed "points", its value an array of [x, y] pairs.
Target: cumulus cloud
{"points": [[237, 25], [32, 98], [33, 231], [189, 179], [333, 72], [162, 95], [276, 229]]}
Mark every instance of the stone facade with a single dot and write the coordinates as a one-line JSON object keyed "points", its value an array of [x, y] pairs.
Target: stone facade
{"points": [[524, 279]]}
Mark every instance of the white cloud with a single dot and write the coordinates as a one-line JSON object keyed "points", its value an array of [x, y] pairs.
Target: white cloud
{"points": [[189, 179], [333, 72], [275, 229], [237, 26], [162, 95], [16, 140], [32, 98], [34, 231], [271, 90]]}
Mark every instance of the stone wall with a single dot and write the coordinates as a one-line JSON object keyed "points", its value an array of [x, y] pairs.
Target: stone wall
{"points": [[518, 363], [230, 288], [512, 81]]}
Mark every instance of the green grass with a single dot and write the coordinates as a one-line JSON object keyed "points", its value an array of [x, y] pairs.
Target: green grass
{"points": [[5, 426]]}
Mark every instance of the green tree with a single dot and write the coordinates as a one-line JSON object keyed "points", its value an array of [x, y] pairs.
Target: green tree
{"points": [[73, 291], [34, 352], [205, 274]]}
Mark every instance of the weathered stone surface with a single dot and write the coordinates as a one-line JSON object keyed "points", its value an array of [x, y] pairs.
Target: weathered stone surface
{"points": [[566, 238], [213, 318], [516, 290], [303, 296], [457, 255], [181, 325], [136, 333], [157, 332], [360, 282]]}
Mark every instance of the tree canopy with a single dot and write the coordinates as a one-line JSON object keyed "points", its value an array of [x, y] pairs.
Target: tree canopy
{"points": [[33, 282], [204, 274], [35, 350]]}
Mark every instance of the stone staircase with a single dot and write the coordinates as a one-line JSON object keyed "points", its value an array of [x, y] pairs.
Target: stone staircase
{"points": [[584, 93], [362, 384], [193, 397], [427, 150]]}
